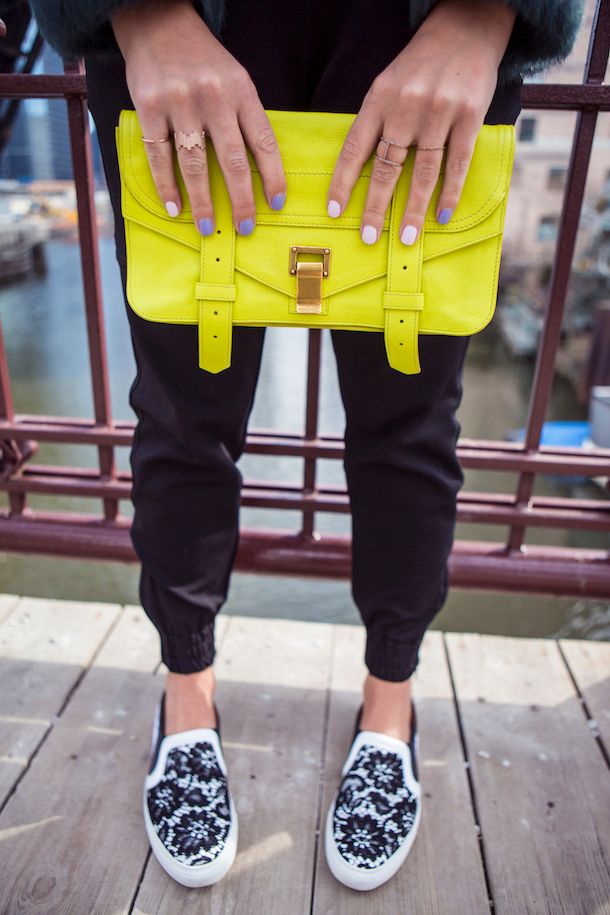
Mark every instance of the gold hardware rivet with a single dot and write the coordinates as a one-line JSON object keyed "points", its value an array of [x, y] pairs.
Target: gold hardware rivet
{"points": [[326, 273], [293, 248], [326, 250]]}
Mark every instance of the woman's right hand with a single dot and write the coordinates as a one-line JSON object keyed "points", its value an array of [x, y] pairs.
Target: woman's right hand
{"points": [[180, 77]]}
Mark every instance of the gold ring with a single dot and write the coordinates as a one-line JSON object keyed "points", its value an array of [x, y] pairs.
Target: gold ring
{"points": [[389, 161], [389, 143], [392, 143], [189, 140], [430, 147], [158, 140]]}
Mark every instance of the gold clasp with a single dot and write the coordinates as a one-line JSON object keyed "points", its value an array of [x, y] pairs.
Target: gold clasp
{"points": [[309, 277]]}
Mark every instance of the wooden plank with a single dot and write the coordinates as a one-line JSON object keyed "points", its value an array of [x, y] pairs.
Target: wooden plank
{"points": [[8, 602], [540, 781], [272, 680], [441, 875], [72, 837], [44, 647], [589, 663], [72, 834]]}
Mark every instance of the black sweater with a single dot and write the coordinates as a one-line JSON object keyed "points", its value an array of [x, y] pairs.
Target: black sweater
{"points": [[543, 34]]}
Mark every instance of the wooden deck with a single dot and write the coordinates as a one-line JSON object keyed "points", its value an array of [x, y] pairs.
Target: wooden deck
{"points": [[514, 740]]}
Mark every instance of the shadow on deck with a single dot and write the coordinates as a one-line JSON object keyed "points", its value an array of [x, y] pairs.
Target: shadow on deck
{"points": [[514, 736]]}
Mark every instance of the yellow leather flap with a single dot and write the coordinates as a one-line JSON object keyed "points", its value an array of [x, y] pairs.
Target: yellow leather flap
{"points": [[311, 141]]}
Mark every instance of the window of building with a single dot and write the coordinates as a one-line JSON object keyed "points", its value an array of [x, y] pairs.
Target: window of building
{"points": [[547, 228], [527, 129], [557, 178]]}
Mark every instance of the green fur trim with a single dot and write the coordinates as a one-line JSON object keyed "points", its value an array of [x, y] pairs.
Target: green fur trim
{"points": [[79, 27], [544, 34]]}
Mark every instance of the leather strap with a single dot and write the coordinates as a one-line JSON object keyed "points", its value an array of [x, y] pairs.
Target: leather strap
{"points": [[403, 301], [216, 294]]}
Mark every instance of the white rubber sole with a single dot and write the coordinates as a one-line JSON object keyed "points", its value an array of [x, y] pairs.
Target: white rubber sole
{"points": [[358, 878], [197, 874]]}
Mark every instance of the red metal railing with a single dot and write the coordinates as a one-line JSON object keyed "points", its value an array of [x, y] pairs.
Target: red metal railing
{"points": [[491, 565]]}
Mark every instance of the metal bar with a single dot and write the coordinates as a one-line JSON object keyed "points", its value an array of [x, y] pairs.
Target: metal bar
{"points": [[46, 85], [551, 97], [82, 163], [7, 412], [487, 455], [562, 263], [312, 401], [546, 570], [559, 97], [472, 508], [54, 472], [17, 501]]}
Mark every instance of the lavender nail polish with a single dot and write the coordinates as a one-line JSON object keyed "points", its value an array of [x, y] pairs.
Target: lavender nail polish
{"points": [[206, 226], [278, 201], [246, 227], [172, 208], [444, 216]]}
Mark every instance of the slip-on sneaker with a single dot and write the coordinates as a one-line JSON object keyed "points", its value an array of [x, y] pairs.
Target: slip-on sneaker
{"points": [[374, 815], [190, 818]]}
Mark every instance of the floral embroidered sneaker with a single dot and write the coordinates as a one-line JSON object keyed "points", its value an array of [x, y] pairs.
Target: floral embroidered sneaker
{"points": [[375, 813], [189, 813]]}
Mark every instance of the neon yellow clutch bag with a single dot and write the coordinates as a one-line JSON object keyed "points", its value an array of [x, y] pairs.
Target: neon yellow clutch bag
{"points": [[301, 267]]}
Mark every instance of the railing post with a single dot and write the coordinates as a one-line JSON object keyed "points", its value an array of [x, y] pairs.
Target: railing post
{"points": [[82, 163], [314, 349], [562, 263]]}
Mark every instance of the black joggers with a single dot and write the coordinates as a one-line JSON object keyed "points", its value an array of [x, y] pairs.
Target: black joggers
{"points": [[401, 430]]}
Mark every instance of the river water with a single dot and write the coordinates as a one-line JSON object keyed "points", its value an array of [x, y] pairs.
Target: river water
{"points": [[44, 329]]}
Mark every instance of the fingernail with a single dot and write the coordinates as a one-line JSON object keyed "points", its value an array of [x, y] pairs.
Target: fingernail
{"points": [[278, 201], [444, 216], [172, 208], [369, 235], [246, 227], [409, 234], [334, 208], [206, 226]]}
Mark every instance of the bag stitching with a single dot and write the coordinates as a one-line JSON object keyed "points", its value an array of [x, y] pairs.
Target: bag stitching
{"points": [[155, 201]]}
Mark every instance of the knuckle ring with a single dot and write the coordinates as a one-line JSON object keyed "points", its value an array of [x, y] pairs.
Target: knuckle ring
{"points": [[431, 147], [389, 161], [184, 140], [158, 140], [389, 143], [392, 143]]}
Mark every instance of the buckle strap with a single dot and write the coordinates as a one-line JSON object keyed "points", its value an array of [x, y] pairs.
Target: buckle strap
{"points": [[215, 290], [401, 329], [403, 299], [215, 325]]}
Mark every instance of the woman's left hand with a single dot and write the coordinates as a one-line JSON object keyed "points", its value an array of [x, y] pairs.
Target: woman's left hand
{"points": [[436, 92]]}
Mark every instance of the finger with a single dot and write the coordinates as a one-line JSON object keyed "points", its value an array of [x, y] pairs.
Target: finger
{"points": [[383, 180], [260, 137], [233, 160], [360, 141], [426, 169], [193, 163], [160, 160], [459, 156]]}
